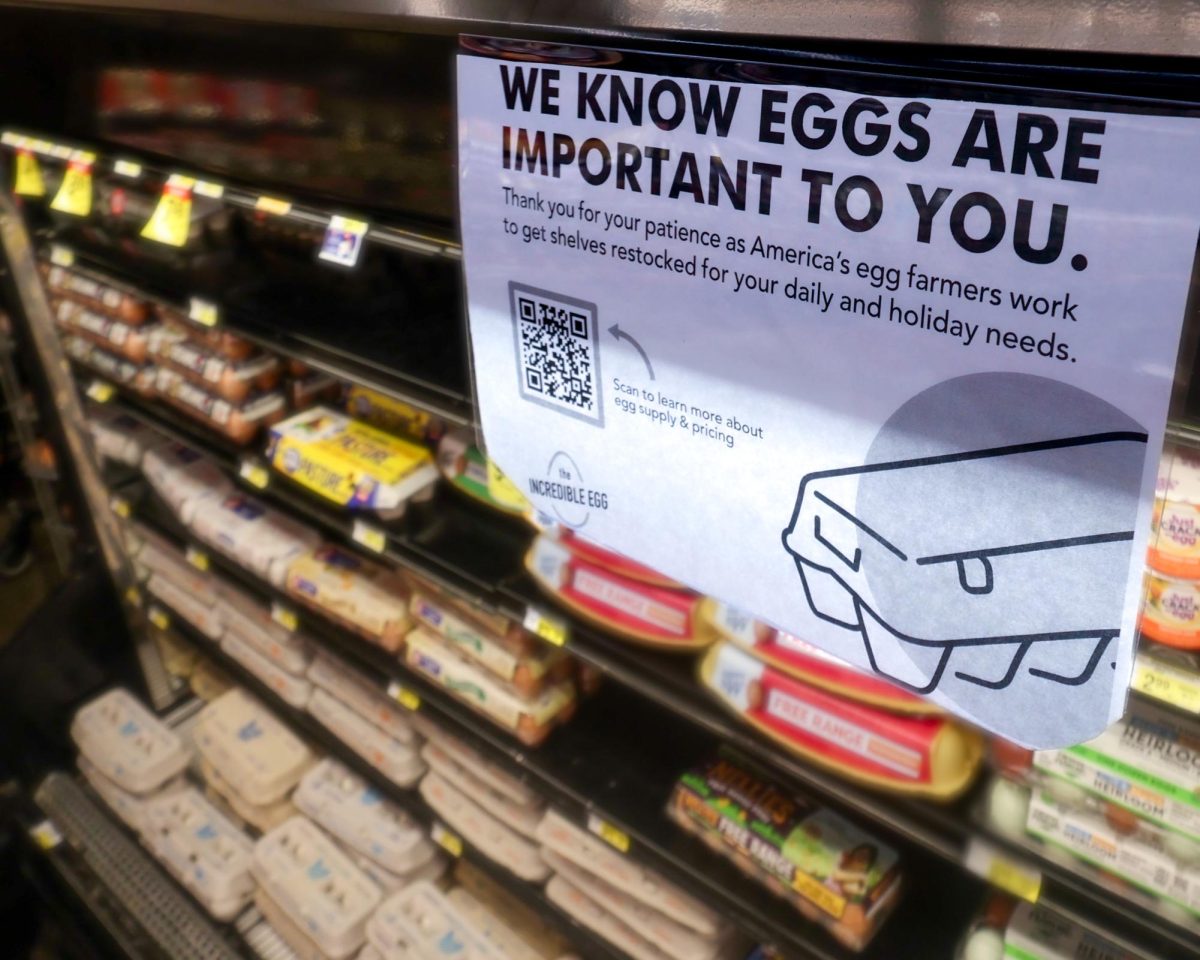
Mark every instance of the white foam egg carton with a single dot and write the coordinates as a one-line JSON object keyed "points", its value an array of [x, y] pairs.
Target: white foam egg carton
{"points": [[523, 819], [262, 818], [421, 921], [483, 831], [316, 885], [397, 761], [192, 607], [592, 854], [262, 540], [202, 849], [672, 938], [340, 801], [158, 555], [126, 743], [183, 478], [433, 869], [481, 768], [292, 689], [118, 436], [128, 806], [250, 747], [503, 941], [601, 921], [299, 944], [362, 696], [252, 622]]}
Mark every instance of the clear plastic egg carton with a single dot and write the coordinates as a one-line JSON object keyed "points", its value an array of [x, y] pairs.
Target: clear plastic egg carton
{"points": [[293, 690], [343, 803], [126, 743], [592, 854], [397, 761], [522, 818], [251, 748], [130, 807], [362, 696], [483, 831], [421, 922], [183, 478], [318, 888], [262, 818], [202, 849]]}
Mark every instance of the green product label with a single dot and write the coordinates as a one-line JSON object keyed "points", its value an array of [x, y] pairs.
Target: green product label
{"points": [[1136, 774]]}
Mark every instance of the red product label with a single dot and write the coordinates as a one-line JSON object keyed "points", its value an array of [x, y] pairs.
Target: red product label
{"points": [[627, 603]]}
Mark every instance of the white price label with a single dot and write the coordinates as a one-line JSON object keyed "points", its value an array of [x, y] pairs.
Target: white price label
{"points": [[203, 312], [1003, 870], [127, 168], [550, 628]]}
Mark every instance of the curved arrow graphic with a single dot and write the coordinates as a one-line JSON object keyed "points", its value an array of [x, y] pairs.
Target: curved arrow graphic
{"points": [[619, 334]]}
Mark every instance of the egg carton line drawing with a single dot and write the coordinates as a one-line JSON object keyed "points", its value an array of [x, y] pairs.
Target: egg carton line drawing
{"points": [[978, 601]]}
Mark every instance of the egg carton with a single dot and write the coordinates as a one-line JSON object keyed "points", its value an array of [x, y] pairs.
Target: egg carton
{"points": [[573, 901], [589, 852], [504, 942], [209, 682], [483, 831], [262, 819], [672, 938], [362, 696], [158, 555], [192, 608], [421, 920], [252, 622], [399, 762], [433, 870], [340, 801], [316, 886], [130, 807], [127, 743], [202, 849], [262, 540], [481, 768], [118, 436], [184, 479], [248, 745], [521, 818], [292, 689]]}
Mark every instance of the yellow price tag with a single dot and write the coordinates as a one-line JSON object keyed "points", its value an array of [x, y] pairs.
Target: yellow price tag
{"points": [[406, 698], [158, 617], [1166, 683], [608, 833], [101, 391], [46, 835], [61, 256], [551, 629], [127, 168], [1003, 871], [172, 217], [203, 312], [370, 537], [134, 596], [197, 558], [254, 473], [446, 840], [75, 192], [28, 181], [120, 506], [285, 616], [273, 205]]}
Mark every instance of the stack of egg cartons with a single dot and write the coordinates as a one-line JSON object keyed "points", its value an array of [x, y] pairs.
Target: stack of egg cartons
{"points": [[628, 904], [249, 759], [127, 754], [189, 592], [276, 655], [359, 714], [382, 839], [263, 541], [423, 921], [118, 436], [493, 811], [311, 892], [183, 478]]}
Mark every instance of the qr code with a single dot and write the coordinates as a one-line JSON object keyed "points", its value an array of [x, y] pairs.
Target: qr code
{"points": [[558, 357]]}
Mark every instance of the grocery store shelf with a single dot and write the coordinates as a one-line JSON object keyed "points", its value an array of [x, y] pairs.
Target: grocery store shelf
{"points": [[478, 557]]}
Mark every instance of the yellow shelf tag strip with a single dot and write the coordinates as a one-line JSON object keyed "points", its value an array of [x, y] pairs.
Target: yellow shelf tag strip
{"points": [[28, 181], [550, 628], [101, 391], [273, 205], [254, 473], [203, 312], [61, 256], [197, 558], [608, 833], [406, 698], [446, 840], [370, 537], [158, 616], [1003, 870], [46, 835], [128, 169], [1166, 683], [285, 616]]}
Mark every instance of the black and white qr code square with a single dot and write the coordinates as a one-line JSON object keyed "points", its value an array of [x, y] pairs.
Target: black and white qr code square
{"points": [[556, 338]]}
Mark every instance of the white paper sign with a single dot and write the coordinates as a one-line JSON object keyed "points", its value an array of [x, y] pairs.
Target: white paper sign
{"points": [[890, 372]]}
